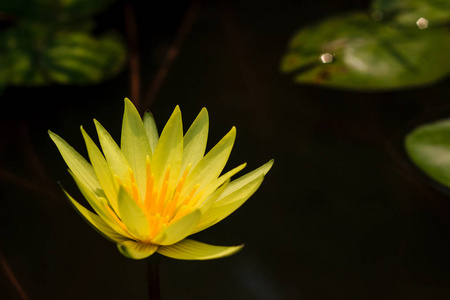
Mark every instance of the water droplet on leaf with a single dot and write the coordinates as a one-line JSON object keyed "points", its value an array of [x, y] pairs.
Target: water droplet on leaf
{"points": [[326, 58], [422, 23]]}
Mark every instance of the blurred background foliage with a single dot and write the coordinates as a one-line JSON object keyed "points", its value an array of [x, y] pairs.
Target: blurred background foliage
{"points": [[429, 148], [384, 50], [51, 42], [343, 214]]}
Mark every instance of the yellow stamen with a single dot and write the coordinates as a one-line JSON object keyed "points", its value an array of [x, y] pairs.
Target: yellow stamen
{"points": [[196, 199], [181, 212], [134, 190], [159, 224], [155, 225], [149, 187], [149, 200], [188, 198], [163, 193], [170, 209], [154, 202], [118, 180], [162, 197]]}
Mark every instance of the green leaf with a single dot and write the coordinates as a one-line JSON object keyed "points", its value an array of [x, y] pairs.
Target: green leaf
{"points": [[18, 62], [79, 58], [34, 54], [192, 250], [367, 55], [428, 146], [407, 12]]}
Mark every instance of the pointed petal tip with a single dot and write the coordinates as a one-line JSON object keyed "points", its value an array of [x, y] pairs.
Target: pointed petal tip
{"points": [[51, 134], [128, 103], [177, 110], [204, 111], [269, 165], [149, 113], [232, 131]]}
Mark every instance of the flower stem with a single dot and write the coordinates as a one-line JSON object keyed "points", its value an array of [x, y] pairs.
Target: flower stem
{"points": [[154, 292]]}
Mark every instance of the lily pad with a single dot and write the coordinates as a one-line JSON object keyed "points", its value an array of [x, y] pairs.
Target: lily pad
{"points": [[33, 56], [79, 58], [367, 55], [428, 146], [407, 12], [18, 58]]}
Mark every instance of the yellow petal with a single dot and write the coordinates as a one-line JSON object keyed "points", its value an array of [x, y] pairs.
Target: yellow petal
{"points": [[242, 181], [178, 230], [209, 202], [100, 208], [195, 140], [169, 151], [136, 250], [152, 131], [132, 216], [192, 250], [114, 156], [210, 166], [102, 170], [96, 222], [220, 181], [79, 166], [134, 144], [222, 209]]}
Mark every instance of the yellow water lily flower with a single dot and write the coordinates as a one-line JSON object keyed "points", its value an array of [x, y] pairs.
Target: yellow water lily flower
{"points": [[153, 192]]}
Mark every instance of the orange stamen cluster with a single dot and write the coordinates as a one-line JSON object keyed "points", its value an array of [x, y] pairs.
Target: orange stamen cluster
{"points": [[162, 207]]}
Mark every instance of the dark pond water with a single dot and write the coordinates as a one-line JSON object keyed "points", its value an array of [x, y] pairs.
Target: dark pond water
{"points": [[342, 214]]}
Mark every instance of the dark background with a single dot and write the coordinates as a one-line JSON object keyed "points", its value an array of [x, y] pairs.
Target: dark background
{"points": [[343, 214]]}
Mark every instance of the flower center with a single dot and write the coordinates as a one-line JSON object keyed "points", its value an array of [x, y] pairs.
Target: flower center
{"points": [[163, 207]]}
